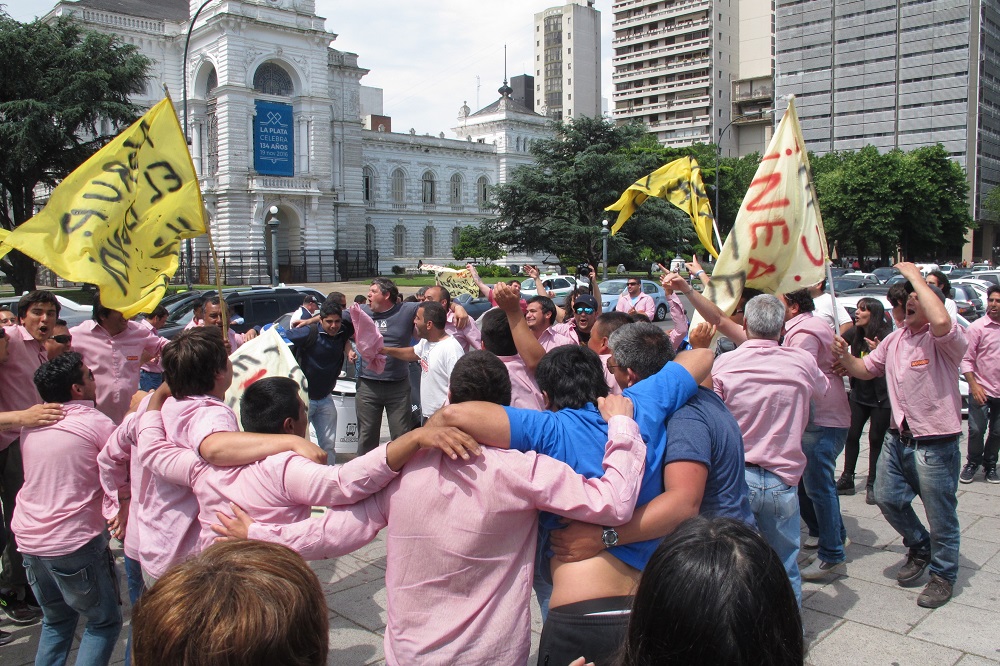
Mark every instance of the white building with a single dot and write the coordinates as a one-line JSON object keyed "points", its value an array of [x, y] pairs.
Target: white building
{"points": [[568, 61], [275, 119]]}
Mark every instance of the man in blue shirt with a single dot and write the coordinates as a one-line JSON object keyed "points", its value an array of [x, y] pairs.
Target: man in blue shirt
{"points": [[319, 349]]}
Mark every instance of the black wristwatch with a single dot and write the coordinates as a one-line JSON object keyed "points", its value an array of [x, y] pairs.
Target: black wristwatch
{"points": [[610, 537]]}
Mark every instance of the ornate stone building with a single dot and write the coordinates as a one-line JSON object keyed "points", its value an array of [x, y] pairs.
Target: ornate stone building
{"points": [[274, 120]]}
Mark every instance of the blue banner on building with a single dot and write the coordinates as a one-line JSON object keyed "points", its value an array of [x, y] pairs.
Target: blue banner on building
{"points": [[274, 139]]}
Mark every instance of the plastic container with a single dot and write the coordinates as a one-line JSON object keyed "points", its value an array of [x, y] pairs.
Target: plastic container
{"points": [[347, 416]]}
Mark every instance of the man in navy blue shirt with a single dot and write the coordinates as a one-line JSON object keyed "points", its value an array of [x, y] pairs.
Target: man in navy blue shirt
{"points": [[319, 349]]}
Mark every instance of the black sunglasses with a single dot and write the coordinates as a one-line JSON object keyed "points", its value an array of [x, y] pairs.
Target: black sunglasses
{"points": [[63, 339], [633, 284]]}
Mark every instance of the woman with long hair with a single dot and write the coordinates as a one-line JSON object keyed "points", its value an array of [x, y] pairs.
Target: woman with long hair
{"points": [[869, 398]]}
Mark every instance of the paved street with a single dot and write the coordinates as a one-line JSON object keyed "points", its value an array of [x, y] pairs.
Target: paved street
{"points": [[860, 618]]}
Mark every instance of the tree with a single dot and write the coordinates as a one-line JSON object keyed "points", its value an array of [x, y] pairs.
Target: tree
{"points": [[57, 84], [477, 243]]}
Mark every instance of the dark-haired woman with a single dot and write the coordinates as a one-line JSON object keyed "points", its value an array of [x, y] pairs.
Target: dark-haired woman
{"points": [[869, 398]]}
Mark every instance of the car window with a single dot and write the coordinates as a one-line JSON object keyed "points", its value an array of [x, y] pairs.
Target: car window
{"points": [[648, 288], [528, 285], [182, 314], [561, 283], [612, 287], [263, 310]]}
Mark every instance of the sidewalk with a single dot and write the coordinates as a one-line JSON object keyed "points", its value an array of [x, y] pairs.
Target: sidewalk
{"points": [[858, 619]]}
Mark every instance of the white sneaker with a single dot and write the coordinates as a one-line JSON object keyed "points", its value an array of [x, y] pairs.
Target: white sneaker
{"points": [[810, 543], [820, 570]]}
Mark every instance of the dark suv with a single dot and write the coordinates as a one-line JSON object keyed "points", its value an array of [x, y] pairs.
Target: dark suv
{"points": [[256, 306]]}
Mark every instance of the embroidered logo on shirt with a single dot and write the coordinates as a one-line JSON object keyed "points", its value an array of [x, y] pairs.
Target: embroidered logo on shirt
{"points": [[132, 358], [919, 362]]}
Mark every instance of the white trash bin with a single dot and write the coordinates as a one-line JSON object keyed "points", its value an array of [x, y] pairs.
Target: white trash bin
{"points": [[347, 416]]}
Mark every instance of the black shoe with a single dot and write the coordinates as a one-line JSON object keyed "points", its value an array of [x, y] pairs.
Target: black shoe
{"points": [[29, 599], [991, 475], [17, 611], [870, 496], [936, 594], [913, 568], [968, 473], [845, 484], [6, 637]]}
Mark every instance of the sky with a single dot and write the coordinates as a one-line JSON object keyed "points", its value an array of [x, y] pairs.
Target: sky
{"points": [[428, 57]]}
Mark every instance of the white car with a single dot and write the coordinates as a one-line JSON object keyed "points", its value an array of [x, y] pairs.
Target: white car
{"points": [[559, 285]]}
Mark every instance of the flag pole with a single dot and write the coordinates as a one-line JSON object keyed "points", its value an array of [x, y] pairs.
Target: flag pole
{"points": [[223, 311]]}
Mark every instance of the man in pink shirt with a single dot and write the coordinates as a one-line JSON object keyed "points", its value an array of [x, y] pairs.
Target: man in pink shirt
{"points": [[151, 374], [540, 316], [823, 441], [981, 367], [213, 317], [461, 535], [767, 388], [58, 522], [632, 300], [920, 456], [37, 312], [115, 349]]}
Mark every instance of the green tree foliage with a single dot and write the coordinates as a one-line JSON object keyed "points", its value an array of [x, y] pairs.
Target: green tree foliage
{"points": [[57, 83], [478, 243]]}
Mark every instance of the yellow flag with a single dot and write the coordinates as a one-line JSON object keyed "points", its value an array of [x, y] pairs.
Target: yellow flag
{"points": [[117, 221], [679, 182], [777, 244]]}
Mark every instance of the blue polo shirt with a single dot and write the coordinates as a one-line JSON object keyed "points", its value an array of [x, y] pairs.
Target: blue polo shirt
{"points": [[577, 437]]}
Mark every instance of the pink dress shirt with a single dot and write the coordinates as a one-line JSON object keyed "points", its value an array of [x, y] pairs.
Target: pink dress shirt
{"points": [[524, 392], [280, 489], [115, 361], [153, 365], [58, 509], [469, 337], [461, 543], [171, 530], [679, 317], [767, 388], [556, 336], [17, 390], [921, 372], [832, 409], [982, 358], [644, 304], [367, 339]]}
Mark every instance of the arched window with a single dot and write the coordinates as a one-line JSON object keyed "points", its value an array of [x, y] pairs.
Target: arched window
{"points": [[517, 144], [456, 236], [368, 185], [482, 192], [427, 181], [212, 83], [399, 240], [272, 79], [398, 189], [456, 189], [211, 138], [429, 241], [369, 237]]}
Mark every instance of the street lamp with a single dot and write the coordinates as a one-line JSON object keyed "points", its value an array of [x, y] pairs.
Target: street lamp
{"points": [[604, 240], [272, 223], [718, 158]]}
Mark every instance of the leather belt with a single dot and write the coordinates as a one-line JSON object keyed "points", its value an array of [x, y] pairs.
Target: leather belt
{"points": [[907, 438]]}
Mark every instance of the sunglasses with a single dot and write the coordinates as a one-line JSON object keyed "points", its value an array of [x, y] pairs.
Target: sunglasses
{"points": [[633, 284], [63, 339], [584, 309]]}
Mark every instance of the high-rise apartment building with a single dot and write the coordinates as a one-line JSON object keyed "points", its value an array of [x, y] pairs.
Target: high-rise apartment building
{"points": [[568, 61], [675, 62], [898, 75]]}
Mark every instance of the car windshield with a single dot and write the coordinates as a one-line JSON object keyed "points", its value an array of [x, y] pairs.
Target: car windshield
{"points": [[613, 287]]}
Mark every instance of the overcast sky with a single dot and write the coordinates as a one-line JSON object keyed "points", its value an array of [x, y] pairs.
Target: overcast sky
{"points": [[426, 56]]}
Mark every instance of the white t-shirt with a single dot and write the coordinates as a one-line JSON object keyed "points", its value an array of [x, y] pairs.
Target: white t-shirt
{"points": [[949, 305], [437, 359], [824, 310]]}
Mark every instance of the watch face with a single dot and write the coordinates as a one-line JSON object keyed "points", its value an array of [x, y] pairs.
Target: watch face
{"points": [[610, 537]]}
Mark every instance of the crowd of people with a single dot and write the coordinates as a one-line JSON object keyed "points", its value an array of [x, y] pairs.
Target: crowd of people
{"points": [[648, 485]]}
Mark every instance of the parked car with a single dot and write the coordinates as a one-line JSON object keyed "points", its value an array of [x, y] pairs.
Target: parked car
{"points": [[990, 276], [848, 282], [981, 267], [248, 307], [883, 273], [559, 285], [869, 278], [476, 307], [70, 311], [967, 293], [611, 289]]}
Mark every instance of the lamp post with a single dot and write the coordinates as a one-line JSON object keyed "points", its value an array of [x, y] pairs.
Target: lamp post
{"points": [[718, 158], [604, 253], [272, 223], [184, 100]]}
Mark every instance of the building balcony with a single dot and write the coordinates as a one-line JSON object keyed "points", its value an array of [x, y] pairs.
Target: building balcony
{"points": [[757, 93], [676, 67], [657, 88], [674, 10], [672, 49], [681, 123], [702, 101], [284, 184], [682, 28]]}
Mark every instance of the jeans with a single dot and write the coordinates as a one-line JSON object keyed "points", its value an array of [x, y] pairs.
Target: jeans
{"points": [[150, 381], [860, 414], [372, 397], [930, 471], [775, 505], [821, 505], [81, 583], [979, 417], [11, 479], [136, 586], [323, 417]]}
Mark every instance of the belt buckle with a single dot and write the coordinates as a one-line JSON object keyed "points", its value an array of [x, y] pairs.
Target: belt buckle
{"points": [[907, 438]]}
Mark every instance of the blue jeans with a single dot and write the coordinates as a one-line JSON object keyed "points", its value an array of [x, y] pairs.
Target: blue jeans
{"points": [[150, 381], [81, 583], [930, 471], [323, 417], [775, 505], [821, 506], [136, 586], [979, 417]]}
